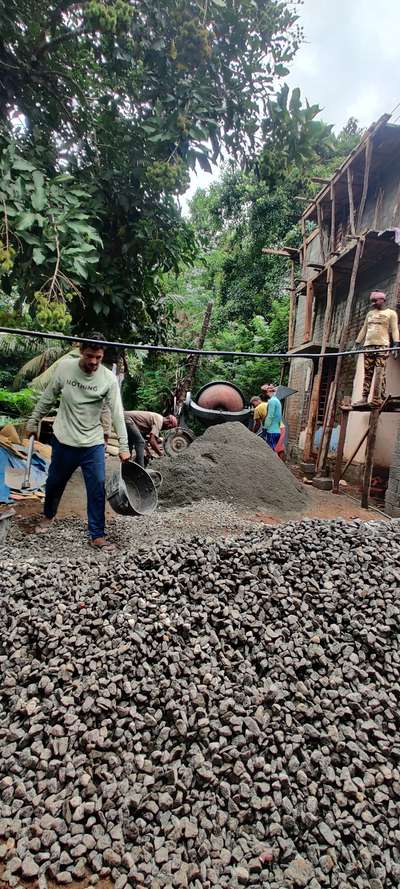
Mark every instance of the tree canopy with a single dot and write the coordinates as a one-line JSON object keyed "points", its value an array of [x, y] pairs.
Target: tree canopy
{"points": [[123, 97]]}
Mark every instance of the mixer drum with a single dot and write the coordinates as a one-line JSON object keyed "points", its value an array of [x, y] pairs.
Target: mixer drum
{"points": [[221, 396], [219, 402]]}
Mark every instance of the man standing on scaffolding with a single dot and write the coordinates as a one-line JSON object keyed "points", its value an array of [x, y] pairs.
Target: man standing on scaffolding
{"points": [[379, 329]]}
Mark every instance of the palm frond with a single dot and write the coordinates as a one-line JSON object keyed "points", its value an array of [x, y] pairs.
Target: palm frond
{"points": [[39, 363], [12, 344]]}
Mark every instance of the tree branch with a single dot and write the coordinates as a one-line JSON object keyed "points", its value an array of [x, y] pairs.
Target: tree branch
{"points": [[57, 265], [63, 6], [49, 45]]}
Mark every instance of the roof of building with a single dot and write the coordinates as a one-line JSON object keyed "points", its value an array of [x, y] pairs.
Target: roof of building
{"points": [[384, 139]]}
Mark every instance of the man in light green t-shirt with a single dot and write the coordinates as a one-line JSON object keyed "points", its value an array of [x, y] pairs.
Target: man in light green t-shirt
{"points": [[84, 388]]}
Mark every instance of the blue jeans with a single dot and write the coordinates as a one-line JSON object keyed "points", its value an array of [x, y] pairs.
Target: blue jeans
{"points": [[272, 439], [64, 461], [135, 441]]}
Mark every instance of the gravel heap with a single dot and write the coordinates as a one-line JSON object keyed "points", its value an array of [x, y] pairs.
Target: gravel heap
{"points": [[71, 535], [206, 714], [230, 463]]}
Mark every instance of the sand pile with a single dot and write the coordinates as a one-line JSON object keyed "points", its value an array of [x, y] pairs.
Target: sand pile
{"points": [[232, 464]]}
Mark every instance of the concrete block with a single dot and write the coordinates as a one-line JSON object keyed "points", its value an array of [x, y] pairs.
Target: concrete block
{"points": [[393, 511]]}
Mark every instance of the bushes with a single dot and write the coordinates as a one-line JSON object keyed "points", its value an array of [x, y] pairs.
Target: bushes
{"points": [[17, 404]]}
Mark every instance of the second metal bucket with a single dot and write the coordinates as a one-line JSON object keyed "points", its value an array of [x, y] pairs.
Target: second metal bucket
{"points": [[130, 491]]}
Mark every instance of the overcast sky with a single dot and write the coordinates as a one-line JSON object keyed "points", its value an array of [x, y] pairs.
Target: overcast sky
{"points": [[348, 64]]}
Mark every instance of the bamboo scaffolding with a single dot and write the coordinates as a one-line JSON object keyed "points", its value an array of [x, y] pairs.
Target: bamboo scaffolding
{"points": [[330, 416], [312, 414]]}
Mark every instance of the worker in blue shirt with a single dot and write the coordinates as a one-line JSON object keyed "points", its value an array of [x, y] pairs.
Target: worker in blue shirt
{"points": [[273, 419]]}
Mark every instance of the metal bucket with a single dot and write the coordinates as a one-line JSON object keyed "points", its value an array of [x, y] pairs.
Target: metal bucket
{"points": [[130, 491], [156, 477]]}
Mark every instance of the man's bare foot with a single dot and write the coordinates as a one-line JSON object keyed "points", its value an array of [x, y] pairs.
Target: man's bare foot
{"points": [[102, 543], [44, 525]]}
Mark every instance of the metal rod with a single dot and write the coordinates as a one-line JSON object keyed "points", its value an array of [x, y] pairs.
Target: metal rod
{"points": [[146, 347]]}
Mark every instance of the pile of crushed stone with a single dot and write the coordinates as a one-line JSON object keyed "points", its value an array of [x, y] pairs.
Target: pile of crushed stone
{"points": [[232, 464], [70, 535], [209, 714]]}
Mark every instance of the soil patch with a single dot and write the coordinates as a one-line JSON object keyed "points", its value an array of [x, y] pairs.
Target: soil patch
{"points": [[230, 463]]}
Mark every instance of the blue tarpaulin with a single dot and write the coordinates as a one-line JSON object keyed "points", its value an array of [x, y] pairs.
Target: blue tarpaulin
{"points": [[9, 460]]}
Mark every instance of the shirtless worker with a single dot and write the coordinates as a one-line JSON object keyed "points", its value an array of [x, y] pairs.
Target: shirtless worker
{"points": [[380, 328], [146, 424], [84, 387]]}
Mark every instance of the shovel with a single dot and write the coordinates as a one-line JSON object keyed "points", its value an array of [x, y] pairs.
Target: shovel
{"points": [[19, 479]]}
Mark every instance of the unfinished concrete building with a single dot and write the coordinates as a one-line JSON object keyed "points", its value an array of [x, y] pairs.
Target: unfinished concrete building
{"points": [[351, 237]]}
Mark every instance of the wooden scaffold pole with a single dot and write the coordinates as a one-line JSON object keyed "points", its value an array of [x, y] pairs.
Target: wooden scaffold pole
{"points": [[330, 414], [312, 414], [351, 200], [292, 310], [367, 167]]}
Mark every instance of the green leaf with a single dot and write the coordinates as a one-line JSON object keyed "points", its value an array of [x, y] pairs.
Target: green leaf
{"points": [[38, 179], [25, 221], [281, 70], [220, 3], [97, 307], [79, 269], [204, 163], [20, 163], [38, 256], [80, 228], [31, 239], [38, 199], [64, 177]]}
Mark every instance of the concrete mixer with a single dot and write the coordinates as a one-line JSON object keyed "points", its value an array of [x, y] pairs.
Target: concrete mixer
{"points": [[216, 402]]}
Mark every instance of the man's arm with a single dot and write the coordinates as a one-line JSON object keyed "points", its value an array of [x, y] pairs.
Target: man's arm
{"points": [[271, 411], [394, 328], [44, 404], [114, 402], [105, 420], [153, 442], [257, 419], [363, 332]]}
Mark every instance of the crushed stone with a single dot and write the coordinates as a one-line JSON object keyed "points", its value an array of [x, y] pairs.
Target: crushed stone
{"points": [[205, 713]]}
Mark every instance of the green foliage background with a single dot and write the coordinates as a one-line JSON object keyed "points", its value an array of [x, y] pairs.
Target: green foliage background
{"points": [[105, 108]]}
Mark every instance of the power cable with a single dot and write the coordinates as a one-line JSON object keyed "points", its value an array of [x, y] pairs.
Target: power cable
{"points": [[146, 347]]}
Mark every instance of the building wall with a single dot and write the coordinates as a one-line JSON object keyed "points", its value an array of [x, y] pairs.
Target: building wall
{"points": [[380, 277], [382, 211], [392, 499], [313, 254], [300, 378], [389, 424], [299, 325]]}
